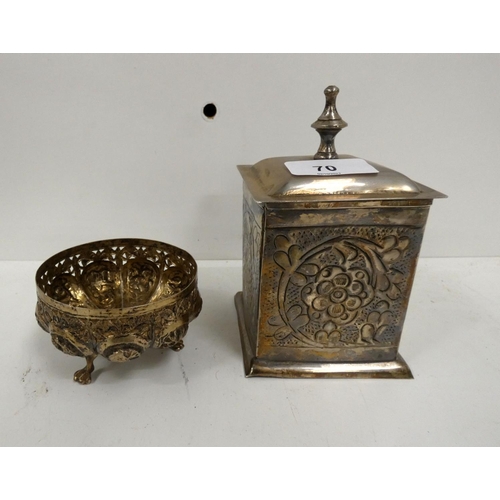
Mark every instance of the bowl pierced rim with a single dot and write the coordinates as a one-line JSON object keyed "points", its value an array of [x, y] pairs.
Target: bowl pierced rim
{"points": [[114, 311]]}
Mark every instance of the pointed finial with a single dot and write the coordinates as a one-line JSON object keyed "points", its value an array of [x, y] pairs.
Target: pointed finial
{"points": [[328, 125]]}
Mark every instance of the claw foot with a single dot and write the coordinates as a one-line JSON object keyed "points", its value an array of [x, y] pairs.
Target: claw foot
{"points": [[177, 347], [84, 376]]}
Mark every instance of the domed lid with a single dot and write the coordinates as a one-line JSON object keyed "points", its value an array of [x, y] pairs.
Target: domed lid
{"points": [[327, 176]]}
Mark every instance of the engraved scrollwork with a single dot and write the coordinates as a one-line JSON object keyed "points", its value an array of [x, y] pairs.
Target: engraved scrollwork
{"points": [[68, 333], [65, 288], [95, 276], [377, 323], [117, 298], [173, 339], [101, 282], [170, 326], [335, 285], [120, 339], [142, 279]]}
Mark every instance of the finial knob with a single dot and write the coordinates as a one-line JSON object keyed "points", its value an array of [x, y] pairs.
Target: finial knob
{"points": [[328, 125]]}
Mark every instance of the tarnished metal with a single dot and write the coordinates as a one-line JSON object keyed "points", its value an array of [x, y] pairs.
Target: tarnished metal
{"points": [[328, 125], [328, 266], [117, 298], [270, 182]]}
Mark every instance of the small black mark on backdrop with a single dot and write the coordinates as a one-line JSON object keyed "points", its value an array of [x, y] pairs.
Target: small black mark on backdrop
{"points": [[210, 110]]}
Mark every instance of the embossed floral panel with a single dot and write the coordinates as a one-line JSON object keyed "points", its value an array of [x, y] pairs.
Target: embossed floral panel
{"points": [[336, 292]]}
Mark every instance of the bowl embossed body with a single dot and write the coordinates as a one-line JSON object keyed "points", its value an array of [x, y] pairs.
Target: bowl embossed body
{"points": [[117, 298]]}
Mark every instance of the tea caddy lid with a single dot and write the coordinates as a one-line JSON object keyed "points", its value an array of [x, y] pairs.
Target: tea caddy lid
{"points": [[271, 180]]}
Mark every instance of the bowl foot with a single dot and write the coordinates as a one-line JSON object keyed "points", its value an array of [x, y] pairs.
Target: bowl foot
{"points": [[83, 376], [178, 346]]}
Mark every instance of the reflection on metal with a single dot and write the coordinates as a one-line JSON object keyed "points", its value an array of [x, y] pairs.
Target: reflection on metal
{"points": [[328, 265], [328, 125], [117, 298]]}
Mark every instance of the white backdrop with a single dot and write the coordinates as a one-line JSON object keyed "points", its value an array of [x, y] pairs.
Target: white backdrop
{"points": [[104, 146]]}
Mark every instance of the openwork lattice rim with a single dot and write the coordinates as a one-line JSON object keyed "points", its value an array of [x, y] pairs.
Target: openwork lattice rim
{"points": [[117, 251]]}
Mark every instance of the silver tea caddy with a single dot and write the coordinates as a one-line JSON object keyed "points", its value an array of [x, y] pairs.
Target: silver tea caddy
{"points": [[328, 262]]}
